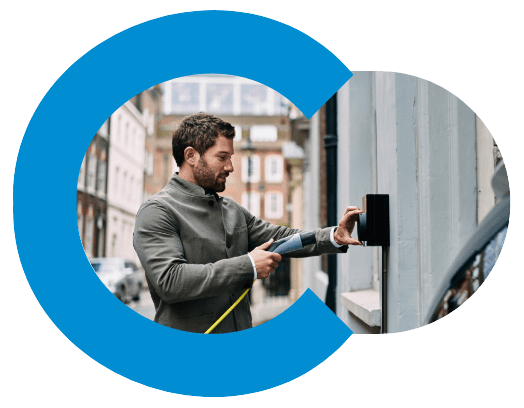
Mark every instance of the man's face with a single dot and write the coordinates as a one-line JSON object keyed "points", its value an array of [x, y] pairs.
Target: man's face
{"points": [[215, 165]]}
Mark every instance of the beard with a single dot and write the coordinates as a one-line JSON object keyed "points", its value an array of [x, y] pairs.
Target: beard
{"points": [[206, 178]]}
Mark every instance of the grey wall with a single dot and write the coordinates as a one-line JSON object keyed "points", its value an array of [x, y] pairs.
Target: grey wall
{"points": [[409, 138]]}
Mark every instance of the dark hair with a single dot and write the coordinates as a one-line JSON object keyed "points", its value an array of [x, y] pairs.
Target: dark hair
{"points": [[199, 131]]}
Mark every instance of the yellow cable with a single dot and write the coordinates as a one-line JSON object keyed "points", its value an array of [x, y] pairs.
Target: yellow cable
{"points": [[228, 311]]}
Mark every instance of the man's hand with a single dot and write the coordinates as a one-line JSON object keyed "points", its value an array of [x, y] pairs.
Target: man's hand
{"points": [[342, 234], [265, 262]]}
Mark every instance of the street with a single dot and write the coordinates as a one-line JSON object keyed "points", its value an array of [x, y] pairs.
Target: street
{"points": [[261, 312], [144, 306]]}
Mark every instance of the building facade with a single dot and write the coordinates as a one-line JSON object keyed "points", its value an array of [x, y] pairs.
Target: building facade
{"points": [[125, 178], [263, 181], [150, 104], [92, 195]]}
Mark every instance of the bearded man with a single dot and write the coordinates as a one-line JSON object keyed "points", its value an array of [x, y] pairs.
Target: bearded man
{"points": [[199, 250]]}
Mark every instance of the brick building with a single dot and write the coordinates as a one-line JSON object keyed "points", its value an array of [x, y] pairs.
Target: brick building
{"points": [[258, 114], [115, 176], [265, 174], [92, 195]]}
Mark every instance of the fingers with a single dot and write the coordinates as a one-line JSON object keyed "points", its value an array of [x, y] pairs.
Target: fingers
{"points": [[272, 263], [276, 257], [351, 208], [266, 245], [265, 262], [350, 212], [353, 241], [264, 273]]}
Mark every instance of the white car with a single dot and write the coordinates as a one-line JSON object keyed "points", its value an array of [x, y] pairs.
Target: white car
{"points": [[478, 256], [123, 278]]}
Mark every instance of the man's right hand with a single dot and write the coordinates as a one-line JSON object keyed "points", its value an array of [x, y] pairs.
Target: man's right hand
{"points": [[265, 262]]}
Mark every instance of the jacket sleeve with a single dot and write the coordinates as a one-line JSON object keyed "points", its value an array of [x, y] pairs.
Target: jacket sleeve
{"points": [[260, 231], [157, 242]]}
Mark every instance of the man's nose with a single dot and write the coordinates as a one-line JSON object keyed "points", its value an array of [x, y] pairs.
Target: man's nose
{"points": [[229, 166]]}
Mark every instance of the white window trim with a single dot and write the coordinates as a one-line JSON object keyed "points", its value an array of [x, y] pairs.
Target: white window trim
{"points": [[254, 208], [80, 221], [82, 175], [280, 205], [255, 163], [238, 133], [91, 165], [88, 245], [101, 180], [274, 178]]}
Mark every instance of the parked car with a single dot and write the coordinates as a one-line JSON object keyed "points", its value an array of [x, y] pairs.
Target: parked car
{"points": [[477, 257], [122, 277]]}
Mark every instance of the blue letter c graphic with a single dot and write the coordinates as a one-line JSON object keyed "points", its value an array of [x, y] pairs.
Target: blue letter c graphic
{"points": [[46, 177]]}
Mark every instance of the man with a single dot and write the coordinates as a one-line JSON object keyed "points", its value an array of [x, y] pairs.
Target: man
{"points": [[200, 251]]}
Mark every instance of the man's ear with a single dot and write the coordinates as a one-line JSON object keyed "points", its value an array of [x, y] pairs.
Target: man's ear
{"points": [[191, 156]]}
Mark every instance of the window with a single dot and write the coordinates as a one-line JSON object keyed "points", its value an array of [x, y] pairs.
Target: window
{"points": [[238, 133], [82, 174], [253, 206], [80, 220], [185, 97], [101, 177], [124, 183], [219, 98], [264, 133], [100, 239], [274, 205], [88, 243], [151, 124], [149, 163], [91, 172], [254, 99], [274, 168], [251, 169], [114, 242], [115, 183]]}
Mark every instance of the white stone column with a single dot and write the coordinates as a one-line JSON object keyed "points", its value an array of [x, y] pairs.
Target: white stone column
{"points": [[311, 206]]}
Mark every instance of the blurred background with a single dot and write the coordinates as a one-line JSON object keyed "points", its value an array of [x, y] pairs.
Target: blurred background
{"points": [[130, 159], [381, 132]]}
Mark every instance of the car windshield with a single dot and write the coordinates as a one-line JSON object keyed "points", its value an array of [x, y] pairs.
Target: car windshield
{"points": [[471, 276]]}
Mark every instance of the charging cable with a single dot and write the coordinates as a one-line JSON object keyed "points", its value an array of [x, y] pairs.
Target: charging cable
{"points": [[282, 246]]}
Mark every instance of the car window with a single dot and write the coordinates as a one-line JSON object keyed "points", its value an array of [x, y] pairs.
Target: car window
{"points": [[96, 266], [99, 266], [469, 278]]}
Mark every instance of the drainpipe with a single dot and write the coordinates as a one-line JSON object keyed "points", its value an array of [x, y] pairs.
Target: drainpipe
{"points": [[330, 144]]}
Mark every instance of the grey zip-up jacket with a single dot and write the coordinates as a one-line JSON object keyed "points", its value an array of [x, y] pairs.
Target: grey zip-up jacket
{"points": [[194, 250]]}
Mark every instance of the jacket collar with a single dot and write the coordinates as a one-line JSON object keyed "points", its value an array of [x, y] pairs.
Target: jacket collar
{"points": [[188, 187]]}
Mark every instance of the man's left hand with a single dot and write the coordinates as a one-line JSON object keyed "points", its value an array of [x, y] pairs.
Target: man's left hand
{"points": [[346, 225]]}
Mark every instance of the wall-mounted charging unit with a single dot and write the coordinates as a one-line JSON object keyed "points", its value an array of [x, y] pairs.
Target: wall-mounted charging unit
{"points": [[373, 223], [373, 230]]}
